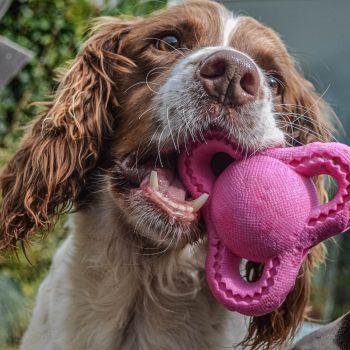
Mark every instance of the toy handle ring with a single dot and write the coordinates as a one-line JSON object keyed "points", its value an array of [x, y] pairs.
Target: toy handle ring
{"points": [[333, 159], [250, 298]]}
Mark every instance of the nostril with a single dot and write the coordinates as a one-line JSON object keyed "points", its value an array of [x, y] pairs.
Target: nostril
{"points": [[212, 69], [249, 83]]}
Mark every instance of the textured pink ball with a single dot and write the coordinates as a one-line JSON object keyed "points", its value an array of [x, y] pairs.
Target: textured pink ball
{"points": [[256, 200]]}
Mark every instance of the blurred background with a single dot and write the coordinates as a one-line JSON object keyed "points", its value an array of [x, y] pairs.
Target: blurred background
{"points": [[36, 37]]}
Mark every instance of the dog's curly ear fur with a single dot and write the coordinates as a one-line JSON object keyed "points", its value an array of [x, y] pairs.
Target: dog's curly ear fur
{"points": [[46, 175], [310, 117]]}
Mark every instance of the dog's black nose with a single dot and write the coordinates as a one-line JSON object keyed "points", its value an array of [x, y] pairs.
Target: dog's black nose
{"points": [[231, 77]]}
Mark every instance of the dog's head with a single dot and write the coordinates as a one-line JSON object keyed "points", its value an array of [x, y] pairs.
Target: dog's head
{"points": [[137, 93]]}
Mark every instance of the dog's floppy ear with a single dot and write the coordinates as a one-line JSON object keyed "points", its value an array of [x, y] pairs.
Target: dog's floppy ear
{"points": [[46, 175]]}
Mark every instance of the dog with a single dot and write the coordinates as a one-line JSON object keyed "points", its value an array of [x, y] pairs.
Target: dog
{"points": [[334, 336], [131, 273]]}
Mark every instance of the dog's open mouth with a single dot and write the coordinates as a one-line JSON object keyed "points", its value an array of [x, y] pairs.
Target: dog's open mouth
{"points": [[160, 183], [164, 188]]}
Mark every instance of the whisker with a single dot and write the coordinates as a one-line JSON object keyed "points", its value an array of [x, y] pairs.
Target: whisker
{"points": [[302, 128], [317, 124], [159, 148], [139, 83], [147, 110], [171, 133]]}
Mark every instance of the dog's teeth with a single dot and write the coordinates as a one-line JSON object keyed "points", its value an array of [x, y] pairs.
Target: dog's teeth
{"points": [[153, 180], [200, 201]]}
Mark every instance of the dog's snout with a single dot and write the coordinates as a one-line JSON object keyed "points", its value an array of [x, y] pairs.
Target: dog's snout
{"points": [[231, 77]]}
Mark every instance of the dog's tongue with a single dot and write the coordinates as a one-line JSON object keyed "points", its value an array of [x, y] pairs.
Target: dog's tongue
{"points": [[163, 182], [170, 186]]}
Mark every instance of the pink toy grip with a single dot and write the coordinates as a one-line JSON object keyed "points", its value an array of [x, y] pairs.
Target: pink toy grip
{"points": [[323, 159], [250, 298], [203, 179]]}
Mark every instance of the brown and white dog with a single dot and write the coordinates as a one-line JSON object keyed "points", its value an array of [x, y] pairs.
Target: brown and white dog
{"points": [[130, 275]]}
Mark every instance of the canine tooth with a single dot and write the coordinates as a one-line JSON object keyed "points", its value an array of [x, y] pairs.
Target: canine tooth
{"points": [[153, 180], [200, 201]]}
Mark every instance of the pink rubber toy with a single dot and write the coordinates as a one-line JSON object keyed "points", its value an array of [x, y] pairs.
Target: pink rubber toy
{"points": [[264, 209]]}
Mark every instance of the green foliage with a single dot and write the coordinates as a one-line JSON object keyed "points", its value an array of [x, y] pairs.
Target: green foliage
{"points": [[54, 31], [11, 306]]}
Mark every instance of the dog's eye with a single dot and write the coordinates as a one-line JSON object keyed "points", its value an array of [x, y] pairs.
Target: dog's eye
{"points": [[167, 43], [276, 84]]}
